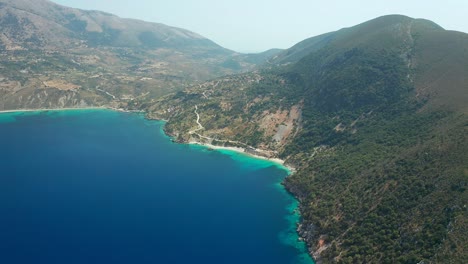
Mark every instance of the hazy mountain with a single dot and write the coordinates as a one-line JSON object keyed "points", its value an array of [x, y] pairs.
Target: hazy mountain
{"points": [[45, 25], [373, 117], [55, 56]]}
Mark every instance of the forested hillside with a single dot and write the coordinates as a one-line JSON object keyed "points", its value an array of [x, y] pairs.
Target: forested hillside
{"points": [[374, 120]]}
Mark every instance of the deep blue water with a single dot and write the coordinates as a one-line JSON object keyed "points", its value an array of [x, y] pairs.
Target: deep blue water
{"points": [[98, 186]]}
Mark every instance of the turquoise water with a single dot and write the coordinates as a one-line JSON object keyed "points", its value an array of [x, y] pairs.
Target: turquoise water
{"points": [[99, 186]]}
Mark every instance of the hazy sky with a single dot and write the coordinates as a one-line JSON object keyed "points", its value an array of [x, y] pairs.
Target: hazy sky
{"points": [[258, 25]]}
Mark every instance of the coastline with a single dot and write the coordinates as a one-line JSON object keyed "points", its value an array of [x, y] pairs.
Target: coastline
{"points": [[235, 149], [50, 109]]}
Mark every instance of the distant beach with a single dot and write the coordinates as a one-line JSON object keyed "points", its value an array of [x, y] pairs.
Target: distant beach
{"points": [[69, 108], [242, 150], [50, 109]]}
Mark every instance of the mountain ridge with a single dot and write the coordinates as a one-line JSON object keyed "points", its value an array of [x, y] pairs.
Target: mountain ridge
{"points": [[78, 22]]}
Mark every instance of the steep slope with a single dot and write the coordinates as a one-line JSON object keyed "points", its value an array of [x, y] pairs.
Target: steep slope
{"points": [[373, 119], [442, 67], [55, 56]]}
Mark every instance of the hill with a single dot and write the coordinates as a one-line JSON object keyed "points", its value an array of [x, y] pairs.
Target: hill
{"points": [[55, 56], [373, 118]]}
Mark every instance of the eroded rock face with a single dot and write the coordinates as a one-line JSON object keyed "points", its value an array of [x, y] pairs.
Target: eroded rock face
{"points": [[279, 126]]}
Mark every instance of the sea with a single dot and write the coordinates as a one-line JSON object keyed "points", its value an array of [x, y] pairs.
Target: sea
{"points": [[101, 186]]}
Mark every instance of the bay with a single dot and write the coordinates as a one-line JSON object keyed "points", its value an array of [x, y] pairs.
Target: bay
{"points": [[99, 186]]}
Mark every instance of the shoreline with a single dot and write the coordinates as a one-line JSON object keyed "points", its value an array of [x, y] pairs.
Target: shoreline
{"points": [[277, 161], [70, 109], [50, 109]]}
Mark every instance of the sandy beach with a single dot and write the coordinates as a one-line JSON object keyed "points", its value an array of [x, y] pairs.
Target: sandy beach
{"points": [[242, 150]]}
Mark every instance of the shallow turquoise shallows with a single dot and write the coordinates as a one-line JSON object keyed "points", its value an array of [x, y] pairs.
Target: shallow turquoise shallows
{"points": [[99, 186]]}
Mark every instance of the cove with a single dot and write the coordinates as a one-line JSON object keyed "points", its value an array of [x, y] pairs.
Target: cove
{"points": [[100, 186]]}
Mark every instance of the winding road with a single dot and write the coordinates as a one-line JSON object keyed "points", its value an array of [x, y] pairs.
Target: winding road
{"points": [[200, 127]]}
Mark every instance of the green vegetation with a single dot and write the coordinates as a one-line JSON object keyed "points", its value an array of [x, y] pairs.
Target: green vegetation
{"points": [[392, 188]]}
